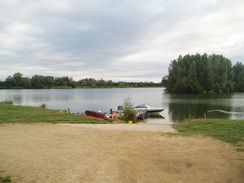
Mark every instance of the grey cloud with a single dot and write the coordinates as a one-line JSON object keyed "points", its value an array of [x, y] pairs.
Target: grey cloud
{"points": [[115, 39]]}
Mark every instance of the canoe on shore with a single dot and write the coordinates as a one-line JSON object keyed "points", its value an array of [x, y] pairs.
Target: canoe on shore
{"points": [[95, 114]]}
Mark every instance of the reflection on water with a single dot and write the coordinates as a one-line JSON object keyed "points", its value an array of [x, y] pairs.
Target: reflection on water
{"points": [[181, 111], [202, 105], [177, 106]]}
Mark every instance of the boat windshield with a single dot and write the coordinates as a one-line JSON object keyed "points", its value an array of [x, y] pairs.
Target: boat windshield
{"points": [[143, 106]]}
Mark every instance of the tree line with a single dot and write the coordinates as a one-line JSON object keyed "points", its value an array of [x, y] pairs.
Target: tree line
{"points": [[204, 74], [17, 81]]}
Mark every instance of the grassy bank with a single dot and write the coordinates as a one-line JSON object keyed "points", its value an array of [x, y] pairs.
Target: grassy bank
{"points": [[231, 131], [24, 114]]}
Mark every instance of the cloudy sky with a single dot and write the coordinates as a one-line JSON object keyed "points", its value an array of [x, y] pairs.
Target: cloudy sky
{"points": [[119, 40]]}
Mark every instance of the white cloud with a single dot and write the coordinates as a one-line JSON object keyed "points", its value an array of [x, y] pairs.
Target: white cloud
{"points": [[84, 27]]}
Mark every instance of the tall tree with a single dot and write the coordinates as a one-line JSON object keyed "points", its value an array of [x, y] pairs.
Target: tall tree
{"points": [[36, 81], [17, 77], [200, 73], [238, 70]]}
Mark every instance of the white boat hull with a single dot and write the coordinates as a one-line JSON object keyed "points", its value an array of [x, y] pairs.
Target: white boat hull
{"points": [[152, 111]]}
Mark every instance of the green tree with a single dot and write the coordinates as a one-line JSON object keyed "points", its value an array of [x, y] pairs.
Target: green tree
{"points": [[47, 81], [36, 81], [27, 83], [2, 86], [200, 73], [192, 73], [238, 70], [165, 81], [9, 82], [202, 70], [110, 83], [18, 79], [122, 84]]}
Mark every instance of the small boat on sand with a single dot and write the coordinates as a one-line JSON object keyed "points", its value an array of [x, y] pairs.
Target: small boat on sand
{"points": [[95, 114]]}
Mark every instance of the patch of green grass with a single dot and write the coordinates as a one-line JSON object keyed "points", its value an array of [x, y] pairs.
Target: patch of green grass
{"points": [[25, 114], [240, 149], [5, 179], [231, 131]]}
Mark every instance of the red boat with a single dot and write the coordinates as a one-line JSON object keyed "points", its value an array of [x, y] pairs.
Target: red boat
{"points": [[95, 114]]}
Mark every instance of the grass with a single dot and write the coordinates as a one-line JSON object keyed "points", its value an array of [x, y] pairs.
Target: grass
{"points": [[231, 131], [24, 114], [5, 179]]}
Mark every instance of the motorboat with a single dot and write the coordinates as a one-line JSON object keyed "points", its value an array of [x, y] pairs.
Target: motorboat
{"points": [[142, 114], [152, 111]]}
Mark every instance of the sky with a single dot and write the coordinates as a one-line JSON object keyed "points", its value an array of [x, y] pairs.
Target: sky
{"points": [[119, 40]]}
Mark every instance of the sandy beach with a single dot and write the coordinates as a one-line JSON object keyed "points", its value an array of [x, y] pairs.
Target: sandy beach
{"points": [[118, 153]]}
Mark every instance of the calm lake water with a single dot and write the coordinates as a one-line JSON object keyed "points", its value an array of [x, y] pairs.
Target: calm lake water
{"points": [[177, 106]]}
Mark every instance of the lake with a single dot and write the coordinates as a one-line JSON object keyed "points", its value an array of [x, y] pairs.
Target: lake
{"points": [[177, 106]]}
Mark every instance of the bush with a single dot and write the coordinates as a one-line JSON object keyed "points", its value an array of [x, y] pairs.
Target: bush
{"points": [[129, 113], [8, 102], [43, 105]]}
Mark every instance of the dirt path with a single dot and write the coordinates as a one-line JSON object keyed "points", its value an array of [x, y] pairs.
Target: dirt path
{"points": [[129, 127], [33, 153]]}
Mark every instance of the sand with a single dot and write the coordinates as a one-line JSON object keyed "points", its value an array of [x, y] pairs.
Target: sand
{"points": [[55, 153]]}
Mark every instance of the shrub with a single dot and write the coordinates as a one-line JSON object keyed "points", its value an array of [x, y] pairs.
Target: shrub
{"points": [[9, 102], [43, 105], [129, 113]]}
